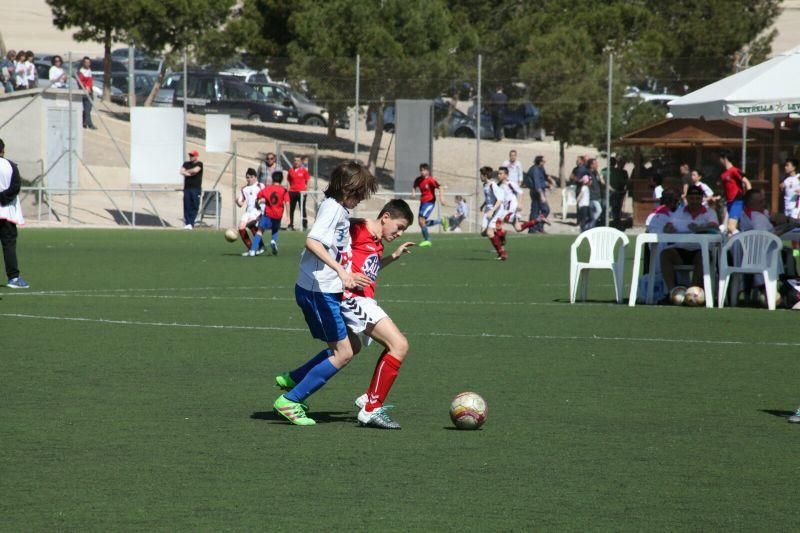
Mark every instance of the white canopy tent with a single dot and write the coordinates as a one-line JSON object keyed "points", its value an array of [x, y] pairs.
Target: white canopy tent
{"points": [[771, 88]]}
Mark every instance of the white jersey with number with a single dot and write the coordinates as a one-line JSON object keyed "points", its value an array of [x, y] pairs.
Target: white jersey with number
{"points": [[247, 196], [509, 198], [332, 230], [491, 193]]}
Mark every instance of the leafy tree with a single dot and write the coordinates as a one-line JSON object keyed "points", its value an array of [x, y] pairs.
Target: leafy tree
{"points": [[101, 21], [408, 49], [173, 28]]}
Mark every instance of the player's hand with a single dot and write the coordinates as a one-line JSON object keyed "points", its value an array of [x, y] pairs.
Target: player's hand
{"points": [[402, 249], [669, 228]]}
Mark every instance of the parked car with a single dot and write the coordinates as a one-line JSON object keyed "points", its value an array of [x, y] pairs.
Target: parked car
{"points": [[458, 125], [142, 85], [308, 112], [216, 93]]}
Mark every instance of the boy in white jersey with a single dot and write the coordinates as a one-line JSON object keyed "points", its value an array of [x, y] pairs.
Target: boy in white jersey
{"points": [[508, 212], [492, 210], [320, 284], [247, 199]]}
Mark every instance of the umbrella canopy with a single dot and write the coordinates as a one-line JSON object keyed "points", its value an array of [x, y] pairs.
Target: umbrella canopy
{"points": [[769, 88]]}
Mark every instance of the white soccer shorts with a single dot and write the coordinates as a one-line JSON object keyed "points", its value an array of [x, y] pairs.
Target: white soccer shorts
{"points": [[360, 311], [249, 216]]}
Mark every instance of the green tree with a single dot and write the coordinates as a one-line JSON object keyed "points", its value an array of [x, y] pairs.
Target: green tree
{"points": [[101, 21], [174, 28], [408, 49]]}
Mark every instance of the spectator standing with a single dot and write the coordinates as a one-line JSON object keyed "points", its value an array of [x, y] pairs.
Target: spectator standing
{"points": [[791, 195], [497, 105], [579, 171], [192, 172], [735, 185], [708, 194], [86, 82], [10, 218], [20, 72], [298, 185], [57, 76], [8, 72], [584, 204], [537, 182], [30, 70], [618, 183], [267, 167], [515, 173], [596, 185]]}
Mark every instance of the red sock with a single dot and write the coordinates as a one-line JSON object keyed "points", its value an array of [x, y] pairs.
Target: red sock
{"points": [[245, 237], [382, 379], [528, 224], [496, 243]]}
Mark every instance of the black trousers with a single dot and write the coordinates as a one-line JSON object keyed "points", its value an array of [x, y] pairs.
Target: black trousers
{"points": [[8, 237], [294, 199]]}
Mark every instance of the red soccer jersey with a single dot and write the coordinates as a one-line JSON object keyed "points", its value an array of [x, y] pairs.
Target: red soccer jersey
{"points": [[366, 252], [732, 180], [274, 197], [298, 179], [426, 187]]}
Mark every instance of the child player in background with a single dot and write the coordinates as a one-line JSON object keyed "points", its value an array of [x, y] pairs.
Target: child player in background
{"points": [[363, 315], [320, 283], [427, 201], [247, 199], [271, 201], [451, 223]]}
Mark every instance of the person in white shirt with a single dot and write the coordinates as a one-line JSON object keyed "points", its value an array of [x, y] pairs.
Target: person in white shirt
{"points": [[451, 223], [515, 174], [247, 200], [584, 202], [708, 194], [692, 218], [791, 188], [756, 217], [56, 75], [20, 72], [30, 70]]}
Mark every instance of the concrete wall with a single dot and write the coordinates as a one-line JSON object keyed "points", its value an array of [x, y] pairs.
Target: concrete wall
{"points": [[24, 129]]}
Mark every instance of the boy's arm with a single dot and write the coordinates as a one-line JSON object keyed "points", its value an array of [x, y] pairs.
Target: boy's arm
{"points": [[349, 280], [441, 196], [402, 249]]}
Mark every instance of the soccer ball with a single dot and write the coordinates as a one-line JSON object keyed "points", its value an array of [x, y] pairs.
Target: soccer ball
{"points": [[677, 295], [231, 235], [468, 410], [695, 297]]}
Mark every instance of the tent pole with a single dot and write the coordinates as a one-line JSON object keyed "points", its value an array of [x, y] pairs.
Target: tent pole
{"points": [[744, 146], [776, 134]]}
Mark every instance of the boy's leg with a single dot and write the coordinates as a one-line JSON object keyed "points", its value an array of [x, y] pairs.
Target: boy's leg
{"points": [[319, 374], [423, 224], [244, 235], [273, 243], [388, 365]]}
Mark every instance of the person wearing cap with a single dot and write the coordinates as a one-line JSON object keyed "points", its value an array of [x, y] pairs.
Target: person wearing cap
{"points": [[192, 172], [10, 218]]}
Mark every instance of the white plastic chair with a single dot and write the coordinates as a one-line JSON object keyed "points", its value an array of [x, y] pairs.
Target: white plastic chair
{"points": [[567, 199], [760, 254], [602, 242]]}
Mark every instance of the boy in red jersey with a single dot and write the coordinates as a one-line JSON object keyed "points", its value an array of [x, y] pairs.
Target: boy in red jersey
{"points": [[735, 185], [363, 315], [427, 201], [271, 201]]}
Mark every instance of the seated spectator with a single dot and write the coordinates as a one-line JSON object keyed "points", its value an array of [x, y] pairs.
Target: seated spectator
{"points": [[756, 217], [661, 215], [692, 218]]}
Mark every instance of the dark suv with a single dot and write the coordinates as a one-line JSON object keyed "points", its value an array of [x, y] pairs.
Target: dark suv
{"points": [[222, 94]]}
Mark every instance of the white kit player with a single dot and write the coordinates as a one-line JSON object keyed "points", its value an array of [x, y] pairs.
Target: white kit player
{"points": [[247, 200], [510, 200], [492, 211]]}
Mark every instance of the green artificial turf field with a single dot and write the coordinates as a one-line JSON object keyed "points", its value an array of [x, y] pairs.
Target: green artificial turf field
{"points": [[137, 383]]}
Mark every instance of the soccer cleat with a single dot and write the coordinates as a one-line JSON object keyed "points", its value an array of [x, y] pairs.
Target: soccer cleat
{"points": [[17, 283], [543, 218], [425, 244], [795, 418], [187, 226], [259, 251], [361, 401], [379, 418], [292, 411], [796, 252], [251, 253], [246, 254], [445, 224], [274, 247], [502, 257], [284, 381]]}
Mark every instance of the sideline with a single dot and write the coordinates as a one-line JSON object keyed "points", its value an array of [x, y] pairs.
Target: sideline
{"points": [[411, 334]]}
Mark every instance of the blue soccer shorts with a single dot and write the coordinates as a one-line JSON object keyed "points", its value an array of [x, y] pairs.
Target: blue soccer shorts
{"points": [[735, 209], [323, 314], [426, 208]]}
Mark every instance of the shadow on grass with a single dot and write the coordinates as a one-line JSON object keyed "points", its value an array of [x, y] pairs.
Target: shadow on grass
{"points": [[451, 428], [321, 417], [778, 413]]}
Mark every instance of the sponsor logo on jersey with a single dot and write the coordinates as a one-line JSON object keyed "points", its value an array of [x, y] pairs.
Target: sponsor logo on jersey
{"points": [[371, 267]]}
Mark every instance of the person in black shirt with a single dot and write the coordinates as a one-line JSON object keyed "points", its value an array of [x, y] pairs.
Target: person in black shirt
{"points": [[497, 106], [192, 172]]}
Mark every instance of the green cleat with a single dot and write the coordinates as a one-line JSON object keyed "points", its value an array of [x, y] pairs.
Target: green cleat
{"points": [[445, 224], [285, 382], [425, 244], [292, 411]]}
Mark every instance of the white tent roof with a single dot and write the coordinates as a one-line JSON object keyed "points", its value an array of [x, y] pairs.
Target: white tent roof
{"points": [[769, 88]]}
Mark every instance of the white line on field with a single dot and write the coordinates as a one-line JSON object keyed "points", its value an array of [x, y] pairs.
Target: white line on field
{"points": [[414, 334]]}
